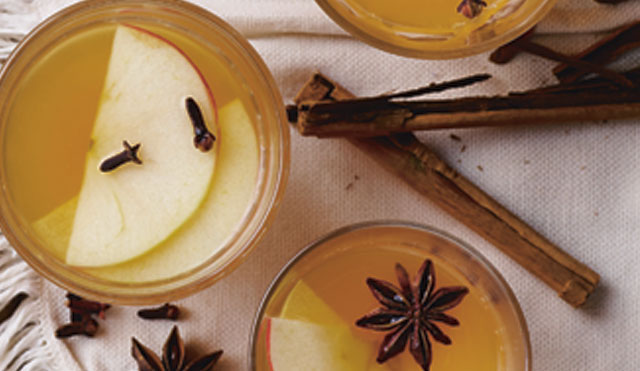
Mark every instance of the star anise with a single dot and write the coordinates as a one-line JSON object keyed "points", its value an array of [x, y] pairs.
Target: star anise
{"points": [[173, 357], [471, 8], [411, 312]]}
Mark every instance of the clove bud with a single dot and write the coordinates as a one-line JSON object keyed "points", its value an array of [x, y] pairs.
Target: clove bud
{"points": [[128, 154], [80, 307], [166, 311], [87, 327], [203, 139]]}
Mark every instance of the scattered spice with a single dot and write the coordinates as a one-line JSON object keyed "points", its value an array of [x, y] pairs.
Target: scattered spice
{"points": [[527, 162], [203, 139], [471, 8], [82, 306], [128, 154], [480, 168], [455, 137], [292, 113], [410, 313], [82, 322], [12, 306], [463, 148], [87, 327], [74, 316], [166, 311], [351, 184], [173, 356]]}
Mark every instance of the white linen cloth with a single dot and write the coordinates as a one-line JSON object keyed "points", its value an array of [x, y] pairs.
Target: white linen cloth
{"points": [[577, 184]]}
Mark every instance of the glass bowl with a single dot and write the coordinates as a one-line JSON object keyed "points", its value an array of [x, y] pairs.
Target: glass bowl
{"points": [[439, 38], [209, 38], [335, 269]]}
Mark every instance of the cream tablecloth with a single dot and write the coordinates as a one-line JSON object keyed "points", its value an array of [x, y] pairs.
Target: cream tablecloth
{"points": [[577, 184]]}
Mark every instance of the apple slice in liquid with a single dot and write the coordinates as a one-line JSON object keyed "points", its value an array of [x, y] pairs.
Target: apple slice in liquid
{"points": [[124, 213], [299, 345]]}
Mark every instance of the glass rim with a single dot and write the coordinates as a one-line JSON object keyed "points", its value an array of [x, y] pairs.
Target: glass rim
{"points": [[527, 23], [473, 253], [270, 183]]}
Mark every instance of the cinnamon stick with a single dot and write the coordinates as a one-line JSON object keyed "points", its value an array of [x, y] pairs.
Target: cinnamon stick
{"points": [[595, 84], [405, 156], [602, 52], [525, 43], [594, 99]]}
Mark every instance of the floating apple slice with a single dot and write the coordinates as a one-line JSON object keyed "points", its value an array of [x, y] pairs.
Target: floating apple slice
{"points": [[310, 335], [55, 227], [305, 305], [124, 213], [299, 345]]}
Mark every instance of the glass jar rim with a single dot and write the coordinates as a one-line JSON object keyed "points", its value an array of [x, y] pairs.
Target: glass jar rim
{"points": [[268, 190], [494, 274], [425, 53]]}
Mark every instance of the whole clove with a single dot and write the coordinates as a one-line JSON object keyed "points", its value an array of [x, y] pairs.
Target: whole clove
{"points": [[82, 321], [203, 139], [87, 327], [128, 154], [82, 306], [166, 311], [12, 306]]}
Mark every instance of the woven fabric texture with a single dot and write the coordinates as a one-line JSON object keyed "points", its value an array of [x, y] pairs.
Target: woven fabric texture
{"points": [[575, 183]]}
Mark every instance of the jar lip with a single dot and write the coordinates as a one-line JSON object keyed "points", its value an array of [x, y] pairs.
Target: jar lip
{"points": [[268, 190], [494, 274], [426, 49]]}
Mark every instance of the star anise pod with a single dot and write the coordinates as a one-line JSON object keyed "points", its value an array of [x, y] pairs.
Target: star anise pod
{"points": [[173, 357], [410, 313], [471, 8]]}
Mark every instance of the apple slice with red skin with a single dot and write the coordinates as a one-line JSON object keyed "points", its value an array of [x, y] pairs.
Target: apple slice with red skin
{"points": [[212, 99], [124, 213]]}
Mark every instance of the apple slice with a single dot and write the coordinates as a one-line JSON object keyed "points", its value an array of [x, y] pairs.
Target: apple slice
{"points": [[126, 212], [55, 227], [305, 305], [299, 345]]}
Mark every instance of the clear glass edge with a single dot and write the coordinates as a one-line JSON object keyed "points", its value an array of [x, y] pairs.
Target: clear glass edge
{"points": [[504, 286], [277, 183], [479, 48]]}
